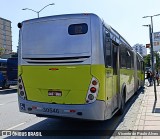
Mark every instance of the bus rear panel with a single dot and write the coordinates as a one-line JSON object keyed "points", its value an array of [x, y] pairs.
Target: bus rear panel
{"points": [[57, 75]]}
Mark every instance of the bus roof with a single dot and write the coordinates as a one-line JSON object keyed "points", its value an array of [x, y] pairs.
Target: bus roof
{"points": [[62, 16]]}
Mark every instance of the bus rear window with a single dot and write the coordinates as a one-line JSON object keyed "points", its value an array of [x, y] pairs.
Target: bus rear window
{"points": [[76, 29]]}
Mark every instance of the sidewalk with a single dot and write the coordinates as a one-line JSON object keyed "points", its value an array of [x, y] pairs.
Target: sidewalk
{"points": [[149, 113]]}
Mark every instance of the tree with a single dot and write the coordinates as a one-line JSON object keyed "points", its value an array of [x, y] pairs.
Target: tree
{"points": [[147, 60], [157, 65]]}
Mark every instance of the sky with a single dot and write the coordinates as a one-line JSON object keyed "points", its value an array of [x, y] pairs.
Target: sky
{"points": [[125, 16]]}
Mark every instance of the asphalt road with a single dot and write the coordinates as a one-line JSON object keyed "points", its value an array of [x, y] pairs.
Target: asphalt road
{"points": [[12, 119]]}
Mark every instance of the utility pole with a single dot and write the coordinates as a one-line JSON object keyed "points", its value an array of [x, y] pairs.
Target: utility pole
{"points": [[152, 53], [152, 59]]}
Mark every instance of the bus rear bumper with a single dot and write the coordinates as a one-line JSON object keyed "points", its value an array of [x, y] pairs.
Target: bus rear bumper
{"points": [[93, 111]]}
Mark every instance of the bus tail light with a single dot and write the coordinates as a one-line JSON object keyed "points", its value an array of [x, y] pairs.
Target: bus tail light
{"points": [[21, 90], [94, 82], [92, 91]]}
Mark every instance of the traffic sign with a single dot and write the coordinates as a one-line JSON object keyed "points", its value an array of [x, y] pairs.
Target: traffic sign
{"points": [[148, 45], [156, 41]]}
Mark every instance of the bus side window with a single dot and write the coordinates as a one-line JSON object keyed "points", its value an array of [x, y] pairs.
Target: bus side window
{"points": [[142, 67], [138, 64], [107, 46], [114, 58], [132, 61], [128, 58], [122, 56]]}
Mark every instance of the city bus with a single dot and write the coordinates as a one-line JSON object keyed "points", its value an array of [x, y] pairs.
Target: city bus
{"points": [[74, 66], [12, 70], [3, 73]]}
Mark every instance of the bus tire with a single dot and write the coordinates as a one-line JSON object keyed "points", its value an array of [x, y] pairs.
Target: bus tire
{"points": [[122, 105]]}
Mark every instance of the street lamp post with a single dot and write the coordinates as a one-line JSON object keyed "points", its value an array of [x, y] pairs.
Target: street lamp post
{"points": [[39, 10], [152, 54], [152, 59], [151, 20]]}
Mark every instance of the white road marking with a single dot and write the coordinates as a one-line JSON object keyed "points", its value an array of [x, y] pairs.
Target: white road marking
{"points": [[7, 103], [15, 126]]}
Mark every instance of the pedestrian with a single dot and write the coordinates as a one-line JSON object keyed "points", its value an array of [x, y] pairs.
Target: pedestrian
{"points": [[157, 77], [149, 77]]}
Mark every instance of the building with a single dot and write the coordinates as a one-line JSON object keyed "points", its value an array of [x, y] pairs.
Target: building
{"points": [[140, 48], [5, 37]]}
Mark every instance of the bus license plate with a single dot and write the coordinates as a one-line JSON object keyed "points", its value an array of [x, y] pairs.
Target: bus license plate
{"points": [[54, 93]]}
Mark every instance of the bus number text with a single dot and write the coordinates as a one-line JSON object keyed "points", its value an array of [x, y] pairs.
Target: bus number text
{"points": [[50, 110]]}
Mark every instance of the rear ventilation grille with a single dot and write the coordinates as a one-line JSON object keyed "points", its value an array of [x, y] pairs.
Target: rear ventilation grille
{"points": [[57, 60]]}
